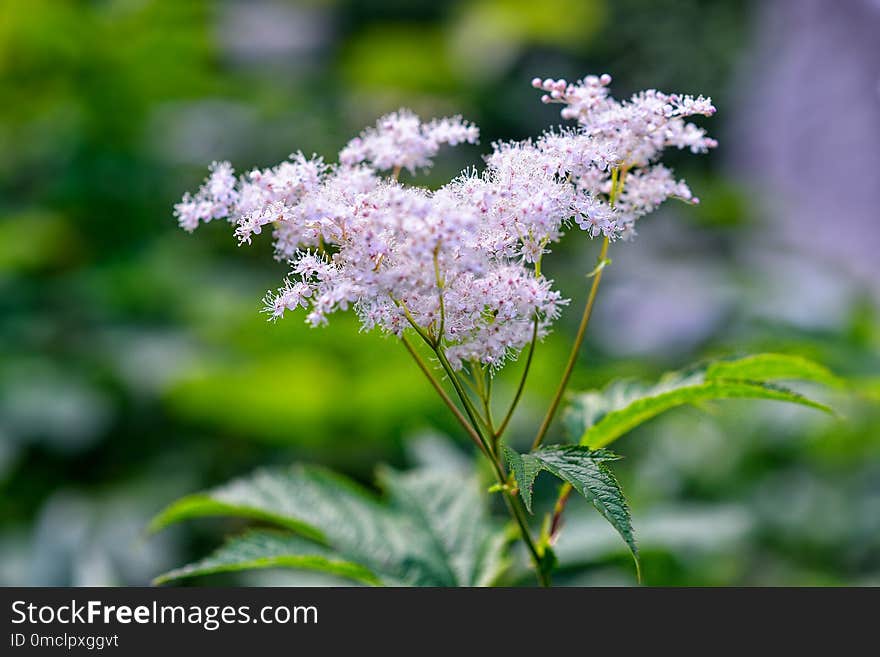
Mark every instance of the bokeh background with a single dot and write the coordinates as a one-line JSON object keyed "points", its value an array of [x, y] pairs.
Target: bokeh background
{"points": [[134, 366]]}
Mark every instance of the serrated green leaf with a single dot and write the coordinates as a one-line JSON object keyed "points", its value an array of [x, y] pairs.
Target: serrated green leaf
{"points": [[773, 367], [601, 417], [272, 549], [525, 468], [318, 505], [586, 471], [394, 542], [452, 529], [616, 423], [206, 505], [312, 501]]}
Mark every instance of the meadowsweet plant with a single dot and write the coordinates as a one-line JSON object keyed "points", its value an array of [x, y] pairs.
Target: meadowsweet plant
{"points": [[455, 274]]}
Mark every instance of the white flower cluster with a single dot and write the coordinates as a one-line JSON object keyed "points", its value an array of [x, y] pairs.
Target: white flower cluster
{"points": [[460, 265], [401, 141], [631, 135], [217, 198]]}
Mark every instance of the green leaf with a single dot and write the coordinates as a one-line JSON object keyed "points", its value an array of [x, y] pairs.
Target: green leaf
{"points": [[205, 505], [451, 524], [601, 417], [773, 367], [525, 468], [309, 500], [272, 549], [434, 532], [586, 471], [317, 505]]}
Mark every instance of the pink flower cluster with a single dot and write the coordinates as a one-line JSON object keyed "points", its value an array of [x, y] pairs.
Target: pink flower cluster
{"points": [[401, 141], [631, 134], [461, 264]]}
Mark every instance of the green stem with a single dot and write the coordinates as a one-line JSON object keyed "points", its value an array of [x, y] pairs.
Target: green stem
{"points": [[472, 384], [617, 180], [412, 322], [440, 391], [440, 285], [482, 388], [488, 447], [514, 505], [487, 408], [466, 402], [575, 348], [435, 347], [558, 508], [522, 383], [617, 177]]}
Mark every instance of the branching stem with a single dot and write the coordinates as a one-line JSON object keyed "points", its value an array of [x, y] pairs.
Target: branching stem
{"points": [[440, 391], [514, 505], [617, 179], [522, 383], [575, 348]]}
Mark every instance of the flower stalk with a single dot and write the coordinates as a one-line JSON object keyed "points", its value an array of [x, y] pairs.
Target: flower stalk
{"points": [[461, 266], [573, 353]]}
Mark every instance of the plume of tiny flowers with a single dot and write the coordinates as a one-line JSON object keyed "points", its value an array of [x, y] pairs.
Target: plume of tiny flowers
{"points": [[459, 265], [401, 141], [628, 137], [403, 256], [216, 198]]}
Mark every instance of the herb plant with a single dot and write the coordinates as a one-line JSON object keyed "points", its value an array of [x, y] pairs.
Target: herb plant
{"points": [[456, 274]]}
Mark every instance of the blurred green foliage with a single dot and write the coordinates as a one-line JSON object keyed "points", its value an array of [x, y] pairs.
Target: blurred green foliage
{"points": [[133, 364]]}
